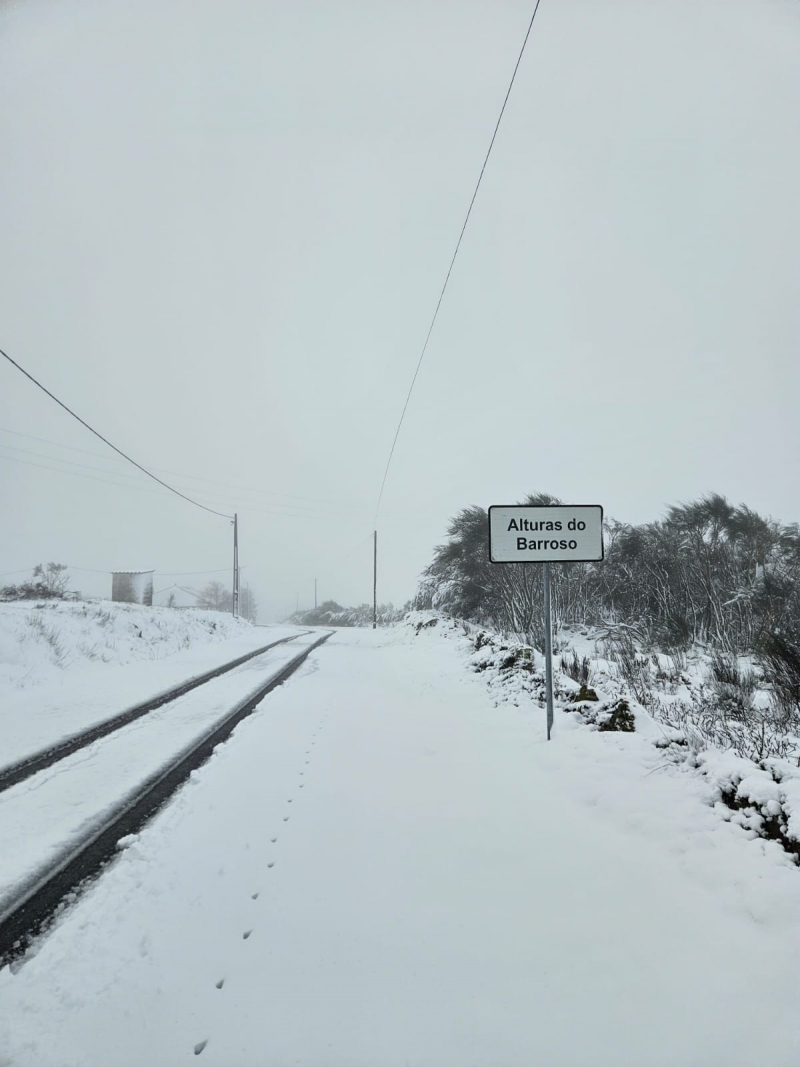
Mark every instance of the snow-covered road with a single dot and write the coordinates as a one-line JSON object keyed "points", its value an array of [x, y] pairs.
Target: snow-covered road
{"points": [[380, 868]]}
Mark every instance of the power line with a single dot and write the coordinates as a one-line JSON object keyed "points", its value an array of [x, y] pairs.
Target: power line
{"points": [[348, 554], [77, 474], [304, 515], [94, 570], [164, 470], [186, 574], [302, 512], [105, 440], [452, 261], [89, 477]]}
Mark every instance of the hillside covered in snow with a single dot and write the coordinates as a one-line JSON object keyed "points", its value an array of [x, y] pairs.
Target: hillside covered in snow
{"points": [[47, 640]]}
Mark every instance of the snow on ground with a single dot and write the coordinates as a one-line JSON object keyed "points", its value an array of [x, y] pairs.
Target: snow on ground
{"points": [[383, 867], [42, 641], [67, 665]]}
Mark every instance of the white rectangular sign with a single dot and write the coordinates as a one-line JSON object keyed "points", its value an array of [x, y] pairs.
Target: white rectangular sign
{"points": [[532, 534]]}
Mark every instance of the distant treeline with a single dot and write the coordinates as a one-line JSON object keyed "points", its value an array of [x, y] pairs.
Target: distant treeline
{"points": [[332, 614], [708, 572]]}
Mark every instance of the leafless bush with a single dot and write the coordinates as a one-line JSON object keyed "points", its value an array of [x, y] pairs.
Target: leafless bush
{"points": [[616, 632], [733, 686], [780, 661], [51, 637], [633, 666], [669, 670], [49, 582], [763, 736], [757, 734], [534, 635], [577, 668]]}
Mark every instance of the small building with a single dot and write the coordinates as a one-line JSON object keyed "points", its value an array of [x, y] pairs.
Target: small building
{"points": [[132, 587]]}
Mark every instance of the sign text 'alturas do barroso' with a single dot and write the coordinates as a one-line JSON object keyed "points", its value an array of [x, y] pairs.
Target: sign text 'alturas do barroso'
{"points": [[545, 534]]}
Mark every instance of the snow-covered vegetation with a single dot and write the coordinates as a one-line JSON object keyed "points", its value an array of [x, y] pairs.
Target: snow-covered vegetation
{"points": [[40, 640], [709, 572], [688, 630], [697, 616], [330, 613]]}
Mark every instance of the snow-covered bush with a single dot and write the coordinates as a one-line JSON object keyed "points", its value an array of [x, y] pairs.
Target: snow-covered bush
{"points": [[49, 581], [608, 716], [330, 613], [708, 572]]}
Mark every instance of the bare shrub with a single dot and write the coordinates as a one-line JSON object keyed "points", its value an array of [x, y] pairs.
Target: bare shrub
{"points": [[675, 633], [50, 581], [577, 668], [632, 665], [733, 686], [757, 734], [669, 670], [50, 636], [780, 660]]}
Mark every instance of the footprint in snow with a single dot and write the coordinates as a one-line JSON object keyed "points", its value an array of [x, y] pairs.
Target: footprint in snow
{"points": [[198, 1048], [286, 818], [246, 934], [220, 983], [254, 896], [273, 840]]}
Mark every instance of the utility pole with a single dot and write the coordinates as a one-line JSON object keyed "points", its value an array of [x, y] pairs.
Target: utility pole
{"points": [[235, 598], [315, 594], [374, 579]]}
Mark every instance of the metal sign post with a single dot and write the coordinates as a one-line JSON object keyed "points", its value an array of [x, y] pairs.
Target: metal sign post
{"points": [[548, 647], [533, 533]]}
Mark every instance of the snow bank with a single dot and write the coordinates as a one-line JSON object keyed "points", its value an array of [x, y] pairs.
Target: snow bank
{"points": [[65, 667], [41, 641]]}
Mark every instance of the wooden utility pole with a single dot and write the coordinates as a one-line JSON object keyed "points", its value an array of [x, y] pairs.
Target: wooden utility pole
{"points": [[235, 597], [374, 579]]}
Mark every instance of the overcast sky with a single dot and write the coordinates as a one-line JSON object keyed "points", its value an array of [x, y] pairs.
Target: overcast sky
{"points": [[224, 227]]}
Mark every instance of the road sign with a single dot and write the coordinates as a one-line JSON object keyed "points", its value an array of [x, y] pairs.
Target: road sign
{"points": [[533, 533], [529, 533]]}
